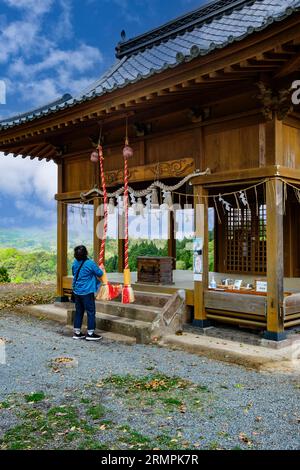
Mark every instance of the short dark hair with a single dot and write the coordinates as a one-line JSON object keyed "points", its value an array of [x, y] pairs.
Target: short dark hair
{"points": [[80, 253]]}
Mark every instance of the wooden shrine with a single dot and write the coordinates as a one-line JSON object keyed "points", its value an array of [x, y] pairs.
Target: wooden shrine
{"points": [[211, 89]]}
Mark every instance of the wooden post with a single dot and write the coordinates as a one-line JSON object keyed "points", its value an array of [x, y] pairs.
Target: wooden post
{"points": [[275, 260], [171, 238], [62, 240], [201, 229], [121, 249], [97, 241]]}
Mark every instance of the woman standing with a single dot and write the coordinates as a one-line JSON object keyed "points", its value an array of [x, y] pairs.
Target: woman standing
{"points": [[86, 283]]}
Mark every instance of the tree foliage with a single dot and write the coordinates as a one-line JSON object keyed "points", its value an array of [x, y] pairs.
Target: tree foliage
{"points": [[36, 266], [4, 277]]}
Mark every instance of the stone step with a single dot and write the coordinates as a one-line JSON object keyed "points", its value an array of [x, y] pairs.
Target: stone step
{"points": [[131, 311], [137, 329], [151, 299], [49, 312]]}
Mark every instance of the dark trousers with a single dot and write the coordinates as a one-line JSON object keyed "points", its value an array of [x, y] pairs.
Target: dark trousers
{"points": [[85, 303]]}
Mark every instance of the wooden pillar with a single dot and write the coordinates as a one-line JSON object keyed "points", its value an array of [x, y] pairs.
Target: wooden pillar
{"points": [[271, 143], [62, 240], [121, 250], [201, 229], [275, 260], [97, 241], [171, 239]]}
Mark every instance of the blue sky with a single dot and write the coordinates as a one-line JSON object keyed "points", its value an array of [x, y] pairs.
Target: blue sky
{"points": [[48, 48]]}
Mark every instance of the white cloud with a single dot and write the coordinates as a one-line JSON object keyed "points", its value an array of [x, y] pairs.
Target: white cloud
{"points": [[21, 178], [39, 69], [34, 211], [35, 7], [59, 72], [64, 26]]}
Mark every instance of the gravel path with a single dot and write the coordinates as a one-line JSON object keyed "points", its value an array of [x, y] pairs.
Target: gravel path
{"points": [[243, 409]]}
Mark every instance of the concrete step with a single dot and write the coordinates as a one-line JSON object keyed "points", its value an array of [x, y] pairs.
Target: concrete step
{"points": [[133, 311], [151, 299], [137, 329], [48, 312]]}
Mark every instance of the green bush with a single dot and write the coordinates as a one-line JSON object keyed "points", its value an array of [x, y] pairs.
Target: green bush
{"points": [[4, 277], [180, 265]]}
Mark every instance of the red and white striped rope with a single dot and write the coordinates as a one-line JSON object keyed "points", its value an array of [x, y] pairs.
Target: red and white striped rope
{"points": [[126, 195], [105, 202]]}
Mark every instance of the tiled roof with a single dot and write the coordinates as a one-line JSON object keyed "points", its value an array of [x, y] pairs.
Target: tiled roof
{"points": [[213, 26]]}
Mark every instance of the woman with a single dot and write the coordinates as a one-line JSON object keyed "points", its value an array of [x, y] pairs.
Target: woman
{"points": [[85, 285]]}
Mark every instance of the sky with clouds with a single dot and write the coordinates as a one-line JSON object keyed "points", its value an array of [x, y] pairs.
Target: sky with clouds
{"points": [[49, 48]]}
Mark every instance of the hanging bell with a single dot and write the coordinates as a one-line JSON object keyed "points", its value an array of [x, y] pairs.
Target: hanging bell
{"points": [[127, 151], [94, 157]]}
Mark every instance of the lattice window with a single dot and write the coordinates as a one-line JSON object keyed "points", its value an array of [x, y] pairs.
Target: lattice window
{"points": [[245, 240]]}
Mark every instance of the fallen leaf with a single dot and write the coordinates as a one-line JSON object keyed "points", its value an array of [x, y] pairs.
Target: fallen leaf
{"points": [[244, 438]]}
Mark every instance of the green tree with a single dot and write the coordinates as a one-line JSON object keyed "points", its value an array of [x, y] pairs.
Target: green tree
{"points": [[111, 265], [4, 277]]}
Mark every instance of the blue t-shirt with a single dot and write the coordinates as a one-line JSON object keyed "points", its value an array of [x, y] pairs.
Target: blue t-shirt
{"points": [[87, 282]]}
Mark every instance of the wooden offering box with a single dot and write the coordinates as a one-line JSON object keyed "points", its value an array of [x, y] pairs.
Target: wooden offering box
{"points": [[155, 270]]}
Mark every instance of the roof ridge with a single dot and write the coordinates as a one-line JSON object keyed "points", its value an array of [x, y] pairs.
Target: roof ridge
{"points": [[175, 26]]}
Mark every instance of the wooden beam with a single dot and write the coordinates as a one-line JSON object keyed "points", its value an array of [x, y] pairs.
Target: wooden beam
{"points": [[275, 259], [291, 66]]}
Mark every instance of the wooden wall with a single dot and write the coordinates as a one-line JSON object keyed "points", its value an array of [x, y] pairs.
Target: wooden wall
{"points": [[291, 146], [233, 149]]}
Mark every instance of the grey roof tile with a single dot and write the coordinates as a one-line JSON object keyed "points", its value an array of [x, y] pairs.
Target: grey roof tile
{"points": [[214, 25]]}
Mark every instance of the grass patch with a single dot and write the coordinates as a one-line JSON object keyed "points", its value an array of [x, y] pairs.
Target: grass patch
{"points": [[81, 422], [35, 397], [96, 411], [4, 405], [85, 401], [172, 402], [92, 444], [150, 383]]}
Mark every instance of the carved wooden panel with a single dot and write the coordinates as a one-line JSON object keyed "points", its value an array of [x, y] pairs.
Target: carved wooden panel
{"points": [[170, 169]]}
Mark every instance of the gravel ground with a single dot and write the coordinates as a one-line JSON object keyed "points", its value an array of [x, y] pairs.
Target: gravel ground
{"points": [[234, 408]]}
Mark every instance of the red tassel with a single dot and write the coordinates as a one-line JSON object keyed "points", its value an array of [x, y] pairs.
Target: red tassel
{"points": [[114, 291], [126, 295]]}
